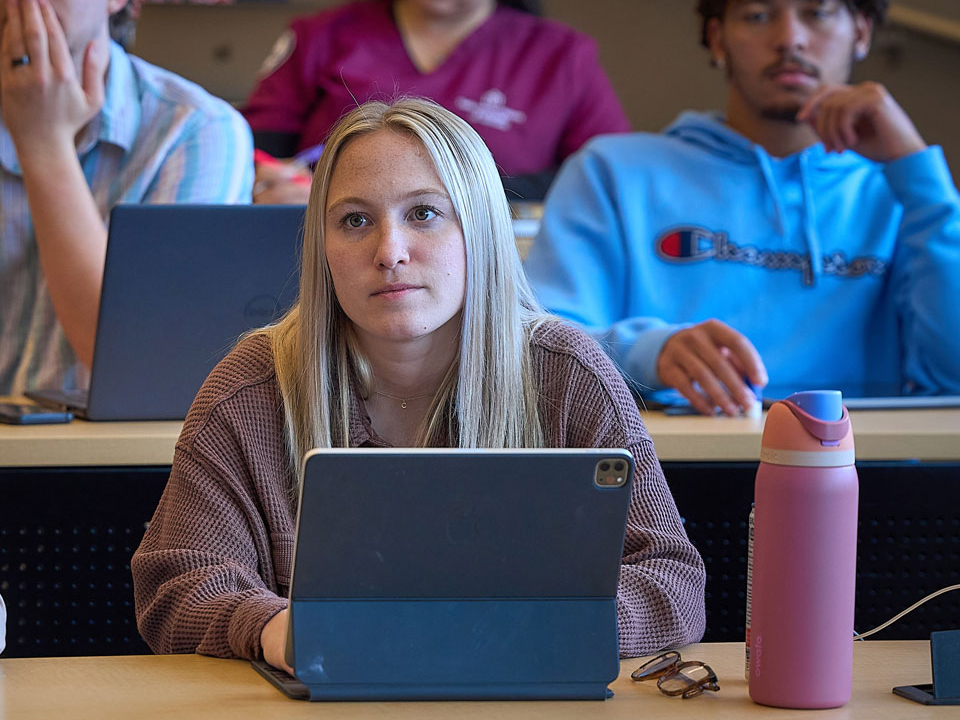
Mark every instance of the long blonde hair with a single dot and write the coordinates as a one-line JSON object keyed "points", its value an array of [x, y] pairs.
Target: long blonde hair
{"points": [[489, 396]]}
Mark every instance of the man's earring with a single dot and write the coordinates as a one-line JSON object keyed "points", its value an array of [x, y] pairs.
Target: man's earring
{"points": [[719, 63], [860, 54]]}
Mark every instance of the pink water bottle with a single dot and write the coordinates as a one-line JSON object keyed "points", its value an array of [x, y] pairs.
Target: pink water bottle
{"points": [[804, 555]]}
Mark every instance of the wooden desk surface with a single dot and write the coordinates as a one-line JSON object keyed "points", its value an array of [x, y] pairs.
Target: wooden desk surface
{"points": [[190, 686], [929, 435], [81, 443]]}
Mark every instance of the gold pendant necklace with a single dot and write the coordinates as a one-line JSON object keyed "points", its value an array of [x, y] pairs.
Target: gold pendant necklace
{"points": [[403, 401]]}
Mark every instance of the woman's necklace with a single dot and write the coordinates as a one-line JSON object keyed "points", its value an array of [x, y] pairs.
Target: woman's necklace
{"points": [[403, 400]]}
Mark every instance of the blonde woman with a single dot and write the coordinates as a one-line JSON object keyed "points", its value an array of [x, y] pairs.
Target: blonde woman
{"points": [[415, 327]]}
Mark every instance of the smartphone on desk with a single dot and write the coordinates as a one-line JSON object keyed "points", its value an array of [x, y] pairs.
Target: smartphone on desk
{"points": [[23, 414]]}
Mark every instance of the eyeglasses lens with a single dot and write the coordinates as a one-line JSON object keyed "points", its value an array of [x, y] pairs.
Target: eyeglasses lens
{"points": [[656, 667], [689, 679]]}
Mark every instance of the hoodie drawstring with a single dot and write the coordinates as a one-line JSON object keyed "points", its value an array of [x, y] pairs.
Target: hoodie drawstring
{"points": [[810, 236], [809, 223], [764, 160]]}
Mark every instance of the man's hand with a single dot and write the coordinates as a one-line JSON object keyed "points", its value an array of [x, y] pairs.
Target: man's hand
{"points": [[864, 118], [43, 101], [273, 640], [717, 358]]}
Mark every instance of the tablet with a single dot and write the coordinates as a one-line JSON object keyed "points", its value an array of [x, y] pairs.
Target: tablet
{"points": [[457, 574]]}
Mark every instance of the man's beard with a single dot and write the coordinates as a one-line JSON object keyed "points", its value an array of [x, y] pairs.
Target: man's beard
{"points": [[781, 113], [787, 111]]}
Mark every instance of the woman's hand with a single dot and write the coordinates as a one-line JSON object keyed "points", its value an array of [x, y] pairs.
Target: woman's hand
{"points": [[281, 183], [273, 640]]}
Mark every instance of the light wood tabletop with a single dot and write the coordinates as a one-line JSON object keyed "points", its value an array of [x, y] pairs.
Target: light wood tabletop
{"points": [[190, 686], [88, 444], [926, 435]]}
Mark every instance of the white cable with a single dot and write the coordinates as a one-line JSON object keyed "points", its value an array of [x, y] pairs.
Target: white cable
{"points": [[941, 591]]}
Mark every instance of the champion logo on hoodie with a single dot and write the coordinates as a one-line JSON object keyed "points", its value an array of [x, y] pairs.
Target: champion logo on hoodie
{"points": [[687, 244], [693, 244]]}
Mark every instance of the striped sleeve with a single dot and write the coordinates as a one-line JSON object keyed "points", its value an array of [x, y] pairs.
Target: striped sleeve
{"points": [[210, 163]]}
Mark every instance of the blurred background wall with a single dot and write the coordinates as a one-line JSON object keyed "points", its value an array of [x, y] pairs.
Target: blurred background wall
{"points": [[649, 48]]}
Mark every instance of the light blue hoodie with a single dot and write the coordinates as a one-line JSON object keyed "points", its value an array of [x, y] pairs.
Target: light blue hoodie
{"points": [[645, 233]]}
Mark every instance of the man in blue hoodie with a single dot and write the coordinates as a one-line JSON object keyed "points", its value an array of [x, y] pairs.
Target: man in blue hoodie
{"points": [[807, 236]]}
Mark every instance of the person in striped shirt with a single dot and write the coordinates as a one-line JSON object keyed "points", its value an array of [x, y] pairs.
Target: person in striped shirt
{"points": [[84, 127]]}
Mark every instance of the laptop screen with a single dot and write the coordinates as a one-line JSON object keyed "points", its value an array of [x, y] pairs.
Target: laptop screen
{"points": [[181, 284]]}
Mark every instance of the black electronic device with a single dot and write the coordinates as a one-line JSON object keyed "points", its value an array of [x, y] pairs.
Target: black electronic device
{"points": [[181, 284], [454, 574], [945, 663], [24, 414]]}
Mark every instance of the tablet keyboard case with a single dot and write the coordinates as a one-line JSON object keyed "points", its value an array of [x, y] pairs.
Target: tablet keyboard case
{"points": [[460, 579]]}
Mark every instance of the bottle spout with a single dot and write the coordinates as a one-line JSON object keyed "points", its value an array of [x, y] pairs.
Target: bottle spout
{"points": [[826, 405], [822, 414]]}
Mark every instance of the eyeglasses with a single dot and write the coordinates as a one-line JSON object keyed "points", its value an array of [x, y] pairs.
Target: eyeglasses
{"points": [[687, 679]]}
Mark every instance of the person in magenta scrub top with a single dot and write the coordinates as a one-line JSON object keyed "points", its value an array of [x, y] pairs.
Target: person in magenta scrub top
{"points": [[532, 88]]}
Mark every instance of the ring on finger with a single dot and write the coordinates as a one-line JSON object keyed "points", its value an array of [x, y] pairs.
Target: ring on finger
{"points": [[21, 61]]}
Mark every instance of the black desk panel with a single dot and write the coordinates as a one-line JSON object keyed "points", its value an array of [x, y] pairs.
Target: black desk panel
{"points": [[908, 542], [67, 535], [66, 539]]}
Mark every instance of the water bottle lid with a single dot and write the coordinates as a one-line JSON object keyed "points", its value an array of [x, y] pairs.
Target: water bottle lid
{"points": [[826, 405], [808, 429]]}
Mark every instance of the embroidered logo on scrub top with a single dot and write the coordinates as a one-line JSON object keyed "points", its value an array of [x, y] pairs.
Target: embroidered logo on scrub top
{"points": [[693, 244], [491, 110]]}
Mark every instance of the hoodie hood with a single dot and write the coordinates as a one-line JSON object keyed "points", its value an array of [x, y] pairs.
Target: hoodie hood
{"points": [[709, 131]]}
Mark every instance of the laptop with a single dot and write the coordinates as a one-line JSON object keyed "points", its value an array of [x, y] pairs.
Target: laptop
{"points": [[181, 284], [869, 396], [424, 574], [858, 396]]}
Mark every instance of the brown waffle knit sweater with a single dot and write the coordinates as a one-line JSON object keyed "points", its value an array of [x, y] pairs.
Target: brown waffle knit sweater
{"points": [[214, 565]]}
